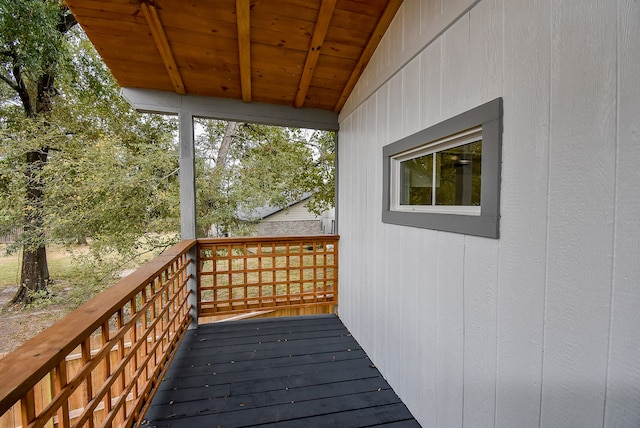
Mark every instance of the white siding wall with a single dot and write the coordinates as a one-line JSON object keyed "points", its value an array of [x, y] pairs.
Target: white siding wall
{"points": [[540, 328], [295, 212]]}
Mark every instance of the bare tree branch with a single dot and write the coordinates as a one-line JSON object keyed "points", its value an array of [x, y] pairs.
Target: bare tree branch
{"points": [[23, 91], [9, 82], [67, 20]]}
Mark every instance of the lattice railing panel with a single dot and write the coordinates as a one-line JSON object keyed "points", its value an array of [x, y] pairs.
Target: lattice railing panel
{"points": [[247, 274]]}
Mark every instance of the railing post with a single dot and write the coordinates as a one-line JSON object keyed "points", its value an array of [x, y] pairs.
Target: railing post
{"points": [[187, 177], [188, 206]]}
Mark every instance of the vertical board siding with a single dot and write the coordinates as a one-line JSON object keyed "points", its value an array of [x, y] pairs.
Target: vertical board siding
{"points": [[482, 255], [370, 204], [396, 37], [396, 246], [411, 15], [383, 292], [408, 309], [450, 341], [431, 92], [623, 377], [523, 224], [410, 273], [358, 190], [427, 330], [480, 307], [411, 97], [581, 200], [346, 187], [455, 69], [485, 51], [538, 328]]}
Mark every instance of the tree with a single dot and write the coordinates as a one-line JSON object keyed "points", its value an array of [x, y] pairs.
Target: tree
{"points": [[31, 49], [245, 166], [102, 170], [117, 173], [322, 182], [214, 146]]}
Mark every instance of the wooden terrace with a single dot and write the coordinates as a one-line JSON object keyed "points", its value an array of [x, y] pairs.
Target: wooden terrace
{"points": [[147, 352], [285, 372]]}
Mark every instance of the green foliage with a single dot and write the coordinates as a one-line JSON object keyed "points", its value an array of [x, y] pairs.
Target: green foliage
{"points": [[111, 173], [28, 37], [277, 170], [266, 166], [323, 182]]}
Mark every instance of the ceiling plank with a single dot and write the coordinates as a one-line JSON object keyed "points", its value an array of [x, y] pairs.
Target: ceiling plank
{"points": [[157, 32], [367, 53], [319, 34], [243, 13]]}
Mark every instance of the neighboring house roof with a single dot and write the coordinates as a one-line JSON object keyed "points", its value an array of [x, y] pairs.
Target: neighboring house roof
{"points": [[261, 213]]}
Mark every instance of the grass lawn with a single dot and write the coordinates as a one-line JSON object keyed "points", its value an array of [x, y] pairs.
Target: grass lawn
{"points": [[70, 288], [59, 260], [20, 323]]}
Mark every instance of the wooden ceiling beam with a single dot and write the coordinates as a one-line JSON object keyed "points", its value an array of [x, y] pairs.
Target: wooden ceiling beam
{"points": [[319, 33], [367, 53], [157, 32], [243, 17]]}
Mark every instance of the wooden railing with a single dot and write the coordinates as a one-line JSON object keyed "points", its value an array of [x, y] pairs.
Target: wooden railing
{"points": [[101, 364], [239, 275]]}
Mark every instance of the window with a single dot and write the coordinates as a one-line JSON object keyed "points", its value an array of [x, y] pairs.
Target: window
{"points": [[443, 176], [447, 177]]}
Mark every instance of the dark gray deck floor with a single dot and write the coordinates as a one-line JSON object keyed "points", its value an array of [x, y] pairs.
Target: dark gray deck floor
{"points": [[284, 372]]}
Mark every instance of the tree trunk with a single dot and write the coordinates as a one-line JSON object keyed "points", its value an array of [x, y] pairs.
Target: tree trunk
{"points": [[35, 270], [34, 276], [223, 151], [221, 165]]}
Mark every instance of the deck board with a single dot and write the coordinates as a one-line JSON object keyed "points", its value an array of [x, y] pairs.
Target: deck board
{"points": [[284, 372]]}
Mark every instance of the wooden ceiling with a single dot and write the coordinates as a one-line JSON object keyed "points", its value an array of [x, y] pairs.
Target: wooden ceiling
{"points": [[302, 53]]}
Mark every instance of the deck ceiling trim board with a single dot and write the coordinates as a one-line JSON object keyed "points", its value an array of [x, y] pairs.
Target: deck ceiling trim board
{"points": [[163, 102], [319, 33], [157, 31], [244, 47], [381, 27], [297, 53]]}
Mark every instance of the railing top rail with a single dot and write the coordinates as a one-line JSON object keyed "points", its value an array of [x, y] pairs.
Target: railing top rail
{"points": [[268, 239], [21, 369]]}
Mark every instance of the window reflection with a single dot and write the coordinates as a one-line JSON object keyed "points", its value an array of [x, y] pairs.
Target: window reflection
{"points": [[417, 181], [458, 174], [457, 177]]}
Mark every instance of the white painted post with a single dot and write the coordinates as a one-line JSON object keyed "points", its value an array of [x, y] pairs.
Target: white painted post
{"points": [[188, 204], [187, 177]]}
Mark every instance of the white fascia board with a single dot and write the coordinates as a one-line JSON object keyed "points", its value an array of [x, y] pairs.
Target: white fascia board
{"points": [[152, 101]]}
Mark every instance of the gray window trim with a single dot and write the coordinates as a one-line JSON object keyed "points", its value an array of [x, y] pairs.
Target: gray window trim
{"points": [[487, 224]]}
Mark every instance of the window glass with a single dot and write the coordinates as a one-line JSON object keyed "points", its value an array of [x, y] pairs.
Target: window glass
{"points": [[416, 181], [458, 175], [443, 174]]}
